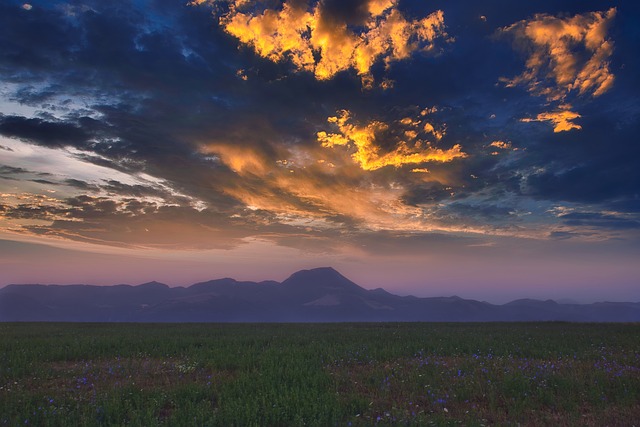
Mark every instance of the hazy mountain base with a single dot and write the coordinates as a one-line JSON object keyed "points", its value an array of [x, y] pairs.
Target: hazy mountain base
{"points": [[318, 295]]}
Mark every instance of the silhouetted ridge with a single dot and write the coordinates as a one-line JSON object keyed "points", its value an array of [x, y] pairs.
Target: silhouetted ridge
{"points": [[316, 295], [529, 301], [213, 285]]}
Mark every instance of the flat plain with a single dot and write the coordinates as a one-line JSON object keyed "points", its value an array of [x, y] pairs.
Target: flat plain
{"points": [[356, 374]]}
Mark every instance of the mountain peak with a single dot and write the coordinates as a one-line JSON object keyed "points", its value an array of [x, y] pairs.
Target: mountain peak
{"points": [[319, 271], [152, 284], [327, 274], [320, 278]]}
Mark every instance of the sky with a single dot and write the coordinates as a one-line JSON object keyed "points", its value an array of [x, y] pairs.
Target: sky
{"points": [[485, 149]]}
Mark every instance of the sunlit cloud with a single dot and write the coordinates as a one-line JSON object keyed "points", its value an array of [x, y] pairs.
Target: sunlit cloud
{"points": [[305, 189], [409, 148], [565, 55], [501, 144], [125, 223], [65, 196], [317, 40], [562, 120], [66, 169], [319, 191], [240, 159]]}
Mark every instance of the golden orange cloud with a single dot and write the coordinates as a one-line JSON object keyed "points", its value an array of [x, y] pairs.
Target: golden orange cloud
{"points": [[305, 190], [501, 144], [317, 42], [315, 189], [370, 156], [562, 120], [572, 53], [240, 159]]}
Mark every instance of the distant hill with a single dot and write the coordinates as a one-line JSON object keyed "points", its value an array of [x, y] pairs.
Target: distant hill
{"points": [[317, 295]]}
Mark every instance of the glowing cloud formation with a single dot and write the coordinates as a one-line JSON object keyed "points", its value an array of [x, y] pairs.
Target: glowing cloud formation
{"points": [[565, 55], [501, 144], [410, 149], [562, 120], [321, 42]]}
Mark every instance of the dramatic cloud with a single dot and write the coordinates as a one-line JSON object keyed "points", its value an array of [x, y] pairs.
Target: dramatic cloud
{"points": [[565, 54], [562, 120], [300, 191], [42, 131], [155, 126], [410, 147], [328, 37]]}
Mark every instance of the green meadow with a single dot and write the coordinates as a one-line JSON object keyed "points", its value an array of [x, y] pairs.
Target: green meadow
{"points": [[412, 374]]}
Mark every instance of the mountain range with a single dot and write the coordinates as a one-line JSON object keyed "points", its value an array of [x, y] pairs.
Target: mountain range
{"points": [[316, 295]]}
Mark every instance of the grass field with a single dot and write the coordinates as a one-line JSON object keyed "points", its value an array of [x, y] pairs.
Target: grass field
{"points": [[319, 374]]}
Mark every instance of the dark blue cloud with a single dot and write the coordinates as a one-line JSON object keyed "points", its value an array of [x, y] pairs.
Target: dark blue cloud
{"points": [[595, 219], [52, 134]]}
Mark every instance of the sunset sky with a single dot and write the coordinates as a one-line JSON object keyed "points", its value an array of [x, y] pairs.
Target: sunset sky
{"points": [[485, 149]]}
